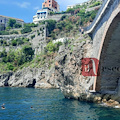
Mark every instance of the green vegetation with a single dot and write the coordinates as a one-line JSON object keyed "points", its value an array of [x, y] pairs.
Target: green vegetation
{"points": [[26, 29], [8, 33], [50, 25], [38, 33], [30, 25], [52, 13], [33, 36], [68, 26], [95, 4], [19, 41], [4, 33], [17, 25], [3, 43], [52, 47], [12, 24], [63, 17], [14, 42], [70, 10], [87, 16], [14, 32], [13, 59]]}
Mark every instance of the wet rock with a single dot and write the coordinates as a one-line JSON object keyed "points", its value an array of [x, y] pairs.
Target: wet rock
{"points": [[4, 78]]}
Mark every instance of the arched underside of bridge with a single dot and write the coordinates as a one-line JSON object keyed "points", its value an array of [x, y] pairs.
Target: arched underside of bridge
{"points": [[109, 79]]}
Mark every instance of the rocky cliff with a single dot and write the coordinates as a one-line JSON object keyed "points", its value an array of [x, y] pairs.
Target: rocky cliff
{"points": [[65, 74]]}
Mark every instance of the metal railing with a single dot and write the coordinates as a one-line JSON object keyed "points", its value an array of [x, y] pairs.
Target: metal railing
{"points": [[100, 10]]}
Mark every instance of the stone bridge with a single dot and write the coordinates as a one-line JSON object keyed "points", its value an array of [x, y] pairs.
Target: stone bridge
{"points": [[105, 33]]}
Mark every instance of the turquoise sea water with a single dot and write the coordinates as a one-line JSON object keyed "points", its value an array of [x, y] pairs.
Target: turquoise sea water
{"points": [[49, 105]]}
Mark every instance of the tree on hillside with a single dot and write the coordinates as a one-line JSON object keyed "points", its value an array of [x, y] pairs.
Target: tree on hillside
{"points": [[70, 10], [26, 29], [17, 25], [29, 52], [11, 23], [51, 24]]}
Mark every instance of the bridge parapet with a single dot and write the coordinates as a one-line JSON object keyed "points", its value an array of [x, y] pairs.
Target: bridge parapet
{"points": [[112, 4], [104, 32]]}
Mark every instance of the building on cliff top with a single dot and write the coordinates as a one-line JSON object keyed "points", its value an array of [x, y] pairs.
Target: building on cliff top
{"points": [[4, 21], [52, 4], [47, 7]]}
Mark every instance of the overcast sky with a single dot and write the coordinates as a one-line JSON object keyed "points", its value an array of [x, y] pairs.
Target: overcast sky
{"points": [[25, 9]]}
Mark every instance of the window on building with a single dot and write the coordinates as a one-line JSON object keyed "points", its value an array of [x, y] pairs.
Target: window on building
{"points": [[49, 4], [1, 20], [49, 1]]}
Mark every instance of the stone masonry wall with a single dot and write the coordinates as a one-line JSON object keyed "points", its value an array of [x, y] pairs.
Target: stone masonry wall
{"points": [[37, 43], [57, 16]]}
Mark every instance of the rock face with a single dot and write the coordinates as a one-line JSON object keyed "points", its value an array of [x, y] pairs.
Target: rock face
{"points": [[68, 69], [4, 78], [65, 74], [26, 78]]}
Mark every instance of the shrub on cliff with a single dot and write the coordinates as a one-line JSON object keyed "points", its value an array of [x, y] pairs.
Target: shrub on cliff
{"points": [[15, 58], [10, 66], [70, 10], [14, 32], [3, 53], [19, 41], [30, 25], [14, 42], [63, 17], [32, 36], [17, 25], [52, 13], [4, 33], [95, 4], [11, 23], [28, 52], [61, 25], [52, 47], [26, 29], [50, 25]]}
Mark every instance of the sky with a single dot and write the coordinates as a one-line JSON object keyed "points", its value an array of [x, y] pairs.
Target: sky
{"points": [[26, 9]]}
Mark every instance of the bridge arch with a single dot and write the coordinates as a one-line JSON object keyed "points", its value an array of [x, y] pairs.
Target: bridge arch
{"points": [[109, 56]]}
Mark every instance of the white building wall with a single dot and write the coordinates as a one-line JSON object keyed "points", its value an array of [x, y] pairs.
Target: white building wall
{"points": [[41, 15]]}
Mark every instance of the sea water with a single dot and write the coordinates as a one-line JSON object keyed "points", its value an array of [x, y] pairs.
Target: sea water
{"points": [[49, 104]]}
